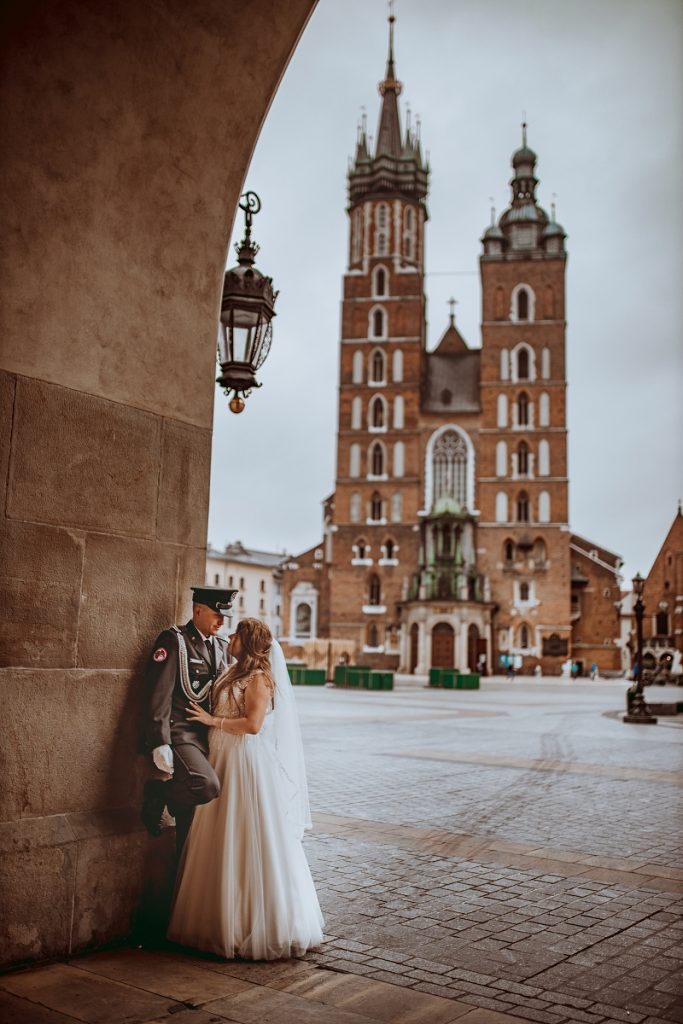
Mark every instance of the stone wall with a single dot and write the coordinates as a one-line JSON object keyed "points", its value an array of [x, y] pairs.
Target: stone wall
{"points": [[128, 130]]}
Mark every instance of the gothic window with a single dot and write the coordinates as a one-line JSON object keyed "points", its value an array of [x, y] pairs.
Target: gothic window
{"points": [[545, 364], [217, 579], [357, 368], [398, 412], [524, 591], [397, 368], [523, 364], [446, 396], [377, 413], [523, 458], [399, 454], [374, 590], [522, 304], [389, 548], [499, 304], [524, 637], [356, 413], [522, 507], [378, 320], [380, 289], [361, 549], [396, 507], [543, 458], [523, 410], [501, 458], [504, 364], [544, 507], [540, 551], [373, 635], [508, 551], [409, 233], [303, 620], [355, 507], [501, 507], [354, 460], [662, 624], [449, 463], [502, 411], [377, 367], [377, 459], [544, 409], [382, 233], [376, 507]]}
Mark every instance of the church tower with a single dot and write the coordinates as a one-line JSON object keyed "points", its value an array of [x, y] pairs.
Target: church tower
{"points": [[374, 538], [522, 473]]}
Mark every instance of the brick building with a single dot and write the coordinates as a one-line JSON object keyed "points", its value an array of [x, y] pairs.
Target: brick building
{"points": [[663, 600], [446, 541], [256, 575]]}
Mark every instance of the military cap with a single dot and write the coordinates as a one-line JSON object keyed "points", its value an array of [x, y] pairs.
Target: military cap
{"points": [[217, 598]]}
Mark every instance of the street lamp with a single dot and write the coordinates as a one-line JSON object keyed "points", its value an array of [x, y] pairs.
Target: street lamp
{"points": [[637, 711], [247, 309]]}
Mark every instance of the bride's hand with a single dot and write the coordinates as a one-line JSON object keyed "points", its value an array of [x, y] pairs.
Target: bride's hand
{"points": [[195, 713]]}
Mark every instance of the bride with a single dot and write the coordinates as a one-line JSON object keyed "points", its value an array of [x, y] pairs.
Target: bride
{"points": [[244, 886]]}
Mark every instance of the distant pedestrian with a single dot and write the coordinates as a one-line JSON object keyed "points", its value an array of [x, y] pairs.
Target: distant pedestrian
{"points": [[594, 671]]}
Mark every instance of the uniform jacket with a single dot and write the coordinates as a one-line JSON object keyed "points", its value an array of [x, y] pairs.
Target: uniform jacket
{"points": [[166, 720]]}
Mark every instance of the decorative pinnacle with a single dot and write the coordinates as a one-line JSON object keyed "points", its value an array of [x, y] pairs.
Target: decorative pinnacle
{"points": [[452, 303], [524, 128], [493, 212]]}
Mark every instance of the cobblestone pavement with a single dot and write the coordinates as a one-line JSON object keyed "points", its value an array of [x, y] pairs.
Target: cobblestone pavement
{"points": [[510, 854]]}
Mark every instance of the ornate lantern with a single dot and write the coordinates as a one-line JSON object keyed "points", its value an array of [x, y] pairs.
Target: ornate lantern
{"points": [[247, 309]]}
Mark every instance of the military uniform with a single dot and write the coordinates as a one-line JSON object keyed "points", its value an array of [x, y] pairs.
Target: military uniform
{"points": [[181, 668]]}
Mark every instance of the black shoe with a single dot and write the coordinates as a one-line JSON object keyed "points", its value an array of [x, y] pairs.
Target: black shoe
{"points": [[153, 805]]}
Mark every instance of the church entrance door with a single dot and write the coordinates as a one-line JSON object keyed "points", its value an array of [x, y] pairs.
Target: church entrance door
{"points": [[414, 640], [443, 646], [472, 647]]}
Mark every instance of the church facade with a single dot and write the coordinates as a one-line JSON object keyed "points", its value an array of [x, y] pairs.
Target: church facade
{"points": [[446, 540]]}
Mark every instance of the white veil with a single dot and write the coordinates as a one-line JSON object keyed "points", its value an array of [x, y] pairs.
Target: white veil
{"points": [[285, 735]]}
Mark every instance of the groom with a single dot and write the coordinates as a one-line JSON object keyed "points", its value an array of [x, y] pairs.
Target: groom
{"points": [[184, 664]]}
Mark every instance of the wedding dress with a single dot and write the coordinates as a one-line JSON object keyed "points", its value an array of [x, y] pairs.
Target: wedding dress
{"points": [[244, 886]]}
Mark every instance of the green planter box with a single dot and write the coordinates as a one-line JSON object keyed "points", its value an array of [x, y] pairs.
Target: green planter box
{"points": [[468, 681], [313, 677], [435, 676], [340, 672], [449, 678], [296, 674]]}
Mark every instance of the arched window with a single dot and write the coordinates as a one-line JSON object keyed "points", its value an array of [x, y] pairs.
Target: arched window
{"points": [[524, 637], [389, 548], [540, 552], [543, 458], [523, 410], [354, 460], [378, 321], [499, 304], [377, 415], [377, 367], [522, 507], [380, 282], [354, 514], [523, 364], [377, 459], [303, 620], [501, 507], [374, 590], [544, 507], [508, 551], [523, 459], [522, 304], [399, 456], [501, 458], [409, 233], [449, 464], [524, 591], [398, 412], [382, 229], [502, 409], [361, 548], [544, 409], [396, 507], [662, 623], [373, 635], [356, 413], [397, 366], [357, 367], [504, 364], [376, 507], [545, 364]]}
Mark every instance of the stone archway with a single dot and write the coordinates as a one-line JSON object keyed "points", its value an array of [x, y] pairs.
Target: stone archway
{"points": [[443, 645], [128, 129]]}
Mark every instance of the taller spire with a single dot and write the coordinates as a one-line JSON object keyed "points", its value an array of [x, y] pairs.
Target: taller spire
{"points": [[389, 128]]}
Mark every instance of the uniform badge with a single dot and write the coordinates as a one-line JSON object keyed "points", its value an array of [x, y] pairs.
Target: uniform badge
{"points": [[161, 654]]}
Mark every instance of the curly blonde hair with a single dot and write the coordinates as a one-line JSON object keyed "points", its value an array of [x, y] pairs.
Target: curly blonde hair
{"points": [[256, 641]]}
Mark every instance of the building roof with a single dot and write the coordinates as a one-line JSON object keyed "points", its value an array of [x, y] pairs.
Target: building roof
{"points": [[237, 552], [596, 552], [452, 383]]}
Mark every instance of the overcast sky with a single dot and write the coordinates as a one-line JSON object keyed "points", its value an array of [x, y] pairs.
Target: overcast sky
{"points": [[601, 82]]}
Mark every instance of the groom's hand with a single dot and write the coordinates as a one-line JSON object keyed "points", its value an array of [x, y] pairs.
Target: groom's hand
{"points": [[163, 758]]}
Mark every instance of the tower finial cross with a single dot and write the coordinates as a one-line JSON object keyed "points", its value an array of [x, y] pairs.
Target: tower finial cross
{"points": [[452, 303]]}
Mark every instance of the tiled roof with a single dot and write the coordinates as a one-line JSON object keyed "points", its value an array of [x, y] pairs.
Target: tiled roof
{"points": [[248, 556]]}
